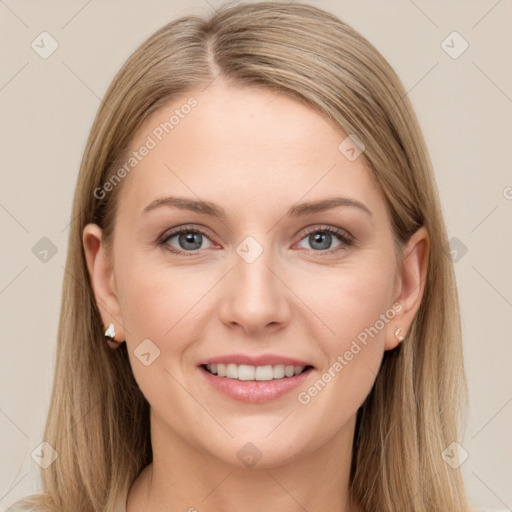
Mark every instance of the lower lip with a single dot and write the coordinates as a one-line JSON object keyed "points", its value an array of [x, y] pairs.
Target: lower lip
{"points": [[255, 392]]}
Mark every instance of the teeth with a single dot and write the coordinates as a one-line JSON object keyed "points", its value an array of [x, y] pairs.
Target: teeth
{"points": [[264, 373], [248, 372], [278, 370], [232, 371]]}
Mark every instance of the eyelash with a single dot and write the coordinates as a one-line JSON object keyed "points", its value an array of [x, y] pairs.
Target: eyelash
{"points": [[341, 235]]}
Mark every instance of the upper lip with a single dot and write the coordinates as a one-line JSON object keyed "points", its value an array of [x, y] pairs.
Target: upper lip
{"points": [[261, 360]]}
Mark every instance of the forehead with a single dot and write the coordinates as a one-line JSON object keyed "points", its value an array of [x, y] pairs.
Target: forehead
{"points": [[240, 145]]}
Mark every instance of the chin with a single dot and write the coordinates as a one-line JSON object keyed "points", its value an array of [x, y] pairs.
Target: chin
{"points": [[258, 452]]}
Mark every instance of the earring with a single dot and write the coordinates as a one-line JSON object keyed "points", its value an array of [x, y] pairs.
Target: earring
{"points": [[110, 332], [398, 336]]}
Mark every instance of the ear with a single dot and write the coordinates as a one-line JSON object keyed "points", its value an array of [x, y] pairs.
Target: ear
{"points": [[102, 278], [410, 285]]}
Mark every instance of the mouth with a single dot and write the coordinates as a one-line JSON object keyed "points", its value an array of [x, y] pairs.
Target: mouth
{"points": [[255, 384], [255, 379], [245, 372]]}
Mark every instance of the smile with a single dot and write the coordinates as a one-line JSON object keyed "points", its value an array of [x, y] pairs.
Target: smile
{"points": [[247, 372]]}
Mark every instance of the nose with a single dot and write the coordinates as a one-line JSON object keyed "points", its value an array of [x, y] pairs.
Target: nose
{"points": [[254, 296]]}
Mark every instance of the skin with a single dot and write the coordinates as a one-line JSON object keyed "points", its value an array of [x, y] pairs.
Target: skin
{"points": [[254, 153]]}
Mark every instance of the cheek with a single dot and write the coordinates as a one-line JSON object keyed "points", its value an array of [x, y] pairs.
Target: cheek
{"points": [[153, 296], [145, 304], [350, 299], [157, 307], [356, 306], [165, 305]]}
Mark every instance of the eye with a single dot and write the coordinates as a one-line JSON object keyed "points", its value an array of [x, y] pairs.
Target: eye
{"points": [[188, 239], [321, 238]]}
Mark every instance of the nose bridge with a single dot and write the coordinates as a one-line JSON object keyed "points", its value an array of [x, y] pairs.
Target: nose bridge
{"points": [[256, 297], [253, 276]]}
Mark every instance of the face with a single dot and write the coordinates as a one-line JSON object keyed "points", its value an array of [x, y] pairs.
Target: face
{"points": [[253, 280]]}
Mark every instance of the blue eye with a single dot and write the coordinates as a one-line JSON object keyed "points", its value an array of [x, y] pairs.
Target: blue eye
{"points": [[190, 240], [324, 235]]}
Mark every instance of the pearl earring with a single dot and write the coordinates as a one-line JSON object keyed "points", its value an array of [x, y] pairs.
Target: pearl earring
{"points": [[398, 336]]}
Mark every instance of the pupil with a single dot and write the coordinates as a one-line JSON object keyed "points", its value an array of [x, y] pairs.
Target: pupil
{"points": [[189, 238], [317, 237]]}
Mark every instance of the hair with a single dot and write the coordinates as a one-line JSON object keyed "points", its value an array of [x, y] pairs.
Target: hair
{"points": [[98, 418]]}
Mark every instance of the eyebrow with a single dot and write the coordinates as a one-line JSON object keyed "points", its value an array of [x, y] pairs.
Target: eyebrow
{"points": [[208, 208]]}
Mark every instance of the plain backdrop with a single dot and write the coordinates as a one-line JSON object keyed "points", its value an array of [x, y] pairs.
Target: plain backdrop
{"points": [[463, 99]]}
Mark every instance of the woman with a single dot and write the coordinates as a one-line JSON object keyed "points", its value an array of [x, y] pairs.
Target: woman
{"points": [[249, 370]]}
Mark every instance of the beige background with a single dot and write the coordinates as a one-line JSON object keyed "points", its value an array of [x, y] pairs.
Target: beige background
{"points": [[47, 106]]}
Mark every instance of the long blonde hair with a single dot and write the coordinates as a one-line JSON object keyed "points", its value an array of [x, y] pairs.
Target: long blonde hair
{"points": [[98, 420]]}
